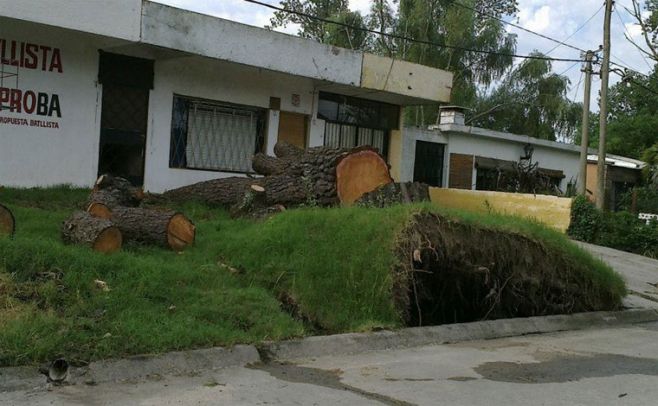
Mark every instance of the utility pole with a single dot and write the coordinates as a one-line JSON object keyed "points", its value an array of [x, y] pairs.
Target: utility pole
{"points": [[584, 143], [605, 78]]}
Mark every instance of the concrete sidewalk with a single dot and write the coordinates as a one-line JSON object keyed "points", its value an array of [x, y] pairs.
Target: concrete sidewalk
{"points": [[640, 273]]}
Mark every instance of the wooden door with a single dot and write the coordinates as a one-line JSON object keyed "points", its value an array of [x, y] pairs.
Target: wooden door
{"points": [[293, 128]]}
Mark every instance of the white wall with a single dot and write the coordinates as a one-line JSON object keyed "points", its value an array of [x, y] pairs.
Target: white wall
{"points": [[469, 144], [36, 156], [114, 18], [213, 80]]}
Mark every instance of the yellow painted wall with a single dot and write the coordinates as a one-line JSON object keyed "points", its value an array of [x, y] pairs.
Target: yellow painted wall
{"points": [[395, 153], [409, 79], [550, 210]]}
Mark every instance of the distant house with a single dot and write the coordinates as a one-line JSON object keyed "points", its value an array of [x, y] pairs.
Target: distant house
{"points": [[455, 155], [168, 97]]}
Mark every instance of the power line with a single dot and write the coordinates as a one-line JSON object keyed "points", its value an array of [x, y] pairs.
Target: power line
{"points": [[577, 31], [560, 43], [628, 37], [404, 38], [575, 97], [629, 79]]}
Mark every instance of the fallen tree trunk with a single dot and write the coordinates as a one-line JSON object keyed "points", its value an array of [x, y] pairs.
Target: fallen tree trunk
{"points": [[396, 193], [167, 229], [7, 222], [318, 176], [97, 233]]}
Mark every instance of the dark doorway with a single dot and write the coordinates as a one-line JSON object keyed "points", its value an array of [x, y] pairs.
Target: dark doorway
{"points": [[127, 82], [429, 163]]}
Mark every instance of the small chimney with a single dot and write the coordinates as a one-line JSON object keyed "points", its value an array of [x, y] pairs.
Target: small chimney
{"points": [[451, 115]]}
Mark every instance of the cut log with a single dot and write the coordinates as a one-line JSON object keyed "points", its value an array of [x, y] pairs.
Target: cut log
{"points": [[266, 165], [7, 222], [120, 190], [168, 229], [97, 233], [310, 178], [359, 173], [396, 193], [223, 192], [286, 150]]}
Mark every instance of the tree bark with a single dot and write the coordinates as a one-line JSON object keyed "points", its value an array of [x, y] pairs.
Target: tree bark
{"points": [[7, 222], [120, 190], [97, 233], [318, 176], [396, 193], [168, 229]]}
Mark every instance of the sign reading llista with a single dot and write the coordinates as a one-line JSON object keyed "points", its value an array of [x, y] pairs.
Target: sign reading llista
{"points": [[42, 106]]}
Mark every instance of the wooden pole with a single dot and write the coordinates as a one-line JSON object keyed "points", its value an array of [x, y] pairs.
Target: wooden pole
{"points": [[584, 143], [603, 122]]}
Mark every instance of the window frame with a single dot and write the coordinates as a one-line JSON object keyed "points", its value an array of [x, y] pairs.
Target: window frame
{"points": [[175, 138]]}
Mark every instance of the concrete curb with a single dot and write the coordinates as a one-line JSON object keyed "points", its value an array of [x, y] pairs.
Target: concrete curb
{"points": [[346, 344], [196, 361], [138, 367]]}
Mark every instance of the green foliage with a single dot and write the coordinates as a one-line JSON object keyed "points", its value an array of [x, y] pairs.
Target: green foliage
{"points": [[310, 28], [620, 230], [531, 100], [585, 220]]}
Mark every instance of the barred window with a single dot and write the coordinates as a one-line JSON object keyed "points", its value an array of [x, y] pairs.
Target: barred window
{"points": [[215, 136], [349, 136]]}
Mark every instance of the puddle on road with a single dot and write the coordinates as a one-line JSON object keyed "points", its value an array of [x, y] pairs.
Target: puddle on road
{"points": [[560, 368], [320, 377]]}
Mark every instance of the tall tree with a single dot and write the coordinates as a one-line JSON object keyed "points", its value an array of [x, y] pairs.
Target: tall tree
{"points": [[531, 100], [645, 14], [309, 27]]}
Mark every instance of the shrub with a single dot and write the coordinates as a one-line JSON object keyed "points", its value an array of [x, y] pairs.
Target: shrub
{"points": [[585, 220]]}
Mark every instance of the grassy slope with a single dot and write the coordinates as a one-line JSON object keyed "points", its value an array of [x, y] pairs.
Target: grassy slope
{"points": [[333, 262]]}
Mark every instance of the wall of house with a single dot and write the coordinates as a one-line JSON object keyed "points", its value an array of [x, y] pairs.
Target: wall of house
{"points": [[117, 19], [58, 142], [467, 144], [219, 81]]}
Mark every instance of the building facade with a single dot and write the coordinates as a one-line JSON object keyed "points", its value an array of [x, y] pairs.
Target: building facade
{"points": [[167, 97]]}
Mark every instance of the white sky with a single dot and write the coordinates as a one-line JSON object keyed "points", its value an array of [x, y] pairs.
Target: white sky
{"points": [[558, 19]]}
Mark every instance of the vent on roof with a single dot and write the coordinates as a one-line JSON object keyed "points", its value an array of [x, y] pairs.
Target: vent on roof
{"points": [[451, 115]]}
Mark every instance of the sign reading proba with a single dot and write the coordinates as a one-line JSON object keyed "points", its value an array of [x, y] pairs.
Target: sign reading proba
{"points": [[41, 107]]}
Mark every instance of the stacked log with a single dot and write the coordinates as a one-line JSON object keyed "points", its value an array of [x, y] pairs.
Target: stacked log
{"points": [[321, 176], [115, 201], [7, 222], [99, 234]]}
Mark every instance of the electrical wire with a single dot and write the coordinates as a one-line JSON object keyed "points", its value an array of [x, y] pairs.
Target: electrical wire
{"points": [[577, 31], [636, 83], [404, 38], [560, 43], [628, 37]]}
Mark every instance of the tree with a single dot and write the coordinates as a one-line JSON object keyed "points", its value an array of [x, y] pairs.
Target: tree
{"points": [[531, 100], [647, 18], [310, 27]]}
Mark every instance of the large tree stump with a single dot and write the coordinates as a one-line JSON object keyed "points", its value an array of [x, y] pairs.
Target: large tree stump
{"points": [[7, 222], [164, 228], [359, 173], [266, 165], [286, 150], [97, 233]]}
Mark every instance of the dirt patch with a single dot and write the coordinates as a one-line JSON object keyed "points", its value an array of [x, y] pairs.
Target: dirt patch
{"points": [[559, 368], [451, 272]]}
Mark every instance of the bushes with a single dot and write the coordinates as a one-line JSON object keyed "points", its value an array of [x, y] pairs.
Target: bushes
{"points": [[621, 230]]}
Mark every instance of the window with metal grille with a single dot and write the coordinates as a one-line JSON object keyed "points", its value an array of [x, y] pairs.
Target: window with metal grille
{"points": [[353, 122], [215, 136]]}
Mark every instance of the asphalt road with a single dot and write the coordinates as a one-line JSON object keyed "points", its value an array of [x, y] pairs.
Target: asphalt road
{"points": [[617, 366]]}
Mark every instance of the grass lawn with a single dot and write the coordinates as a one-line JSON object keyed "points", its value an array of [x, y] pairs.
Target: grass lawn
{"points": [[330, 267]]}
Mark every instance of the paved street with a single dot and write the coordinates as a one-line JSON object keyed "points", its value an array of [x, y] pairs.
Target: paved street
{"points": [[595, 367]]}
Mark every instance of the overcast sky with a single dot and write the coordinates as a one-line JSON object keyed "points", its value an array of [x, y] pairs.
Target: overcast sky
{"points": [[558, 19]]}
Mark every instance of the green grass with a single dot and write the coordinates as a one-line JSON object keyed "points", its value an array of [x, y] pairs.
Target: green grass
{"points": [[334, 264]]}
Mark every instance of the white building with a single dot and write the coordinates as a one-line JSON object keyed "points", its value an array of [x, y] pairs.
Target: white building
{"points": [[468, 156], [167, 97]]}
